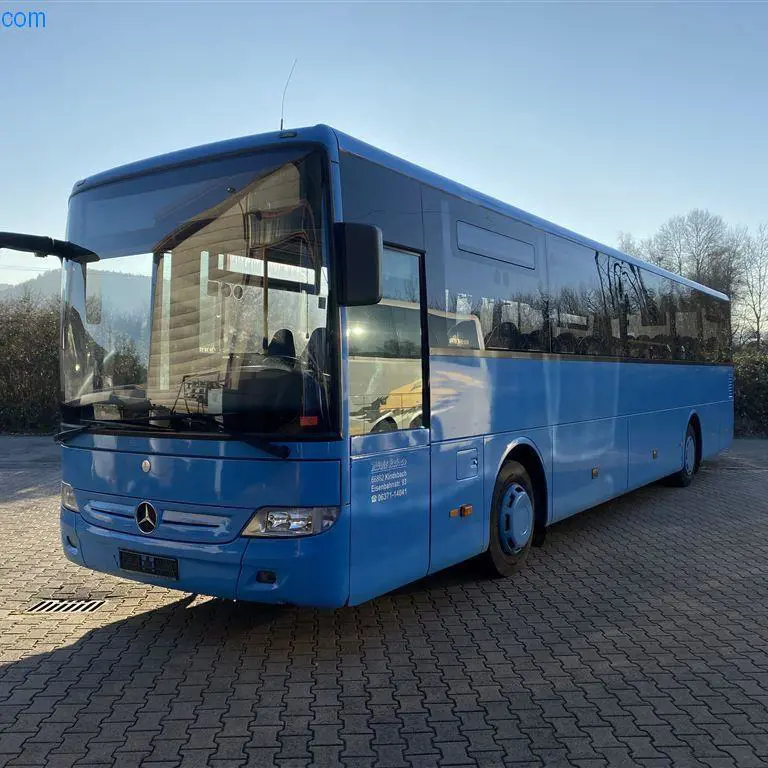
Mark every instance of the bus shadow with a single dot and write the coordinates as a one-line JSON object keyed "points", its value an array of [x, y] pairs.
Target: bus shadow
{"points": [[165, 644], [603, 522], [456, 575]]}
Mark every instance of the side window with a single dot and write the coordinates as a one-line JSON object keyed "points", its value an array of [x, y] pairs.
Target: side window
{"points": [[517, 323], [703, 327], [612, 290], [581, 308], [499, 306], [666, 320], [449, 330], [371, 331], [688, 329], [652, 322], [716, 331], [384, 352]]}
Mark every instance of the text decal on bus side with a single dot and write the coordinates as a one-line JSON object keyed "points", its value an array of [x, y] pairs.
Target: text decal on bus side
{"points": [[389, 479]]}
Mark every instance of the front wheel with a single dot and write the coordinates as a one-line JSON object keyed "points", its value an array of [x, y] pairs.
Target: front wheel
{"points": [[512, 518], [684, 477]]}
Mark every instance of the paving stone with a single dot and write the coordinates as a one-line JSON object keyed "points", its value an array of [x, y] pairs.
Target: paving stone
{"points": [[605, 650]]}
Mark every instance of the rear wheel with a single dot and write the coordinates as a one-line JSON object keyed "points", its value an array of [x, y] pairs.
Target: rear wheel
{"points": [[512, 516], [684, 477]]}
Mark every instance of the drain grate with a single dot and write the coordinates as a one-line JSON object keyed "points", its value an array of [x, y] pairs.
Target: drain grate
{"points": [[66, 606]]}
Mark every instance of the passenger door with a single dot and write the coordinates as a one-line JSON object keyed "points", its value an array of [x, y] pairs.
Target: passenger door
{"points": [[389, 438]]}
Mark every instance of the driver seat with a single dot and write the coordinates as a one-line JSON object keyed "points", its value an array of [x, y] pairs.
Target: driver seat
{"points": [[281, 349]]}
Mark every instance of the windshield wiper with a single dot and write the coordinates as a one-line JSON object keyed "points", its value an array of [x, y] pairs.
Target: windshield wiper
{"points": [[88, 424], [279, 451], [65, 434]]}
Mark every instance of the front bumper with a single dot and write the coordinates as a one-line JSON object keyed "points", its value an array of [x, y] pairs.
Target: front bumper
{"points": [[310, 571]]}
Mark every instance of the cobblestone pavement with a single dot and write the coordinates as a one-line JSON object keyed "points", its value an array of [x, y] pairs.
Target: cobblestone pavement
{"points": [[636, 636]]}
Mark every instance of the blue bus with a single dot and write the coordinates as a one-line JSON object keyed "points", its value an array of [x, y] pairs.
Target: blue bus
{"points": [[297, 369]]}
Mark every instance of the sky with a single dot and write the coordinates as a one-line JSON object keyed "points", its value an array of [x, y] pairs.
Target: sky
{"points": [[602, 117]]}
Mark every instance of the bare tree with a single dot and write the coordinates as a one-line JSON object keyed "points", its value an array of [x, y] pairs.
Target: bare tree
{"points": [[705, 236], [724, 268], [698, 245], [755, 282], [628, 244], [668, 247]]}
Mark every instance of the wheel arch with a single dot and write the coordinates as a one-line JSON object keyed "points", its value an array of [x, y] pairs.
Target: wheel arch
{"points": [[524, 451]]}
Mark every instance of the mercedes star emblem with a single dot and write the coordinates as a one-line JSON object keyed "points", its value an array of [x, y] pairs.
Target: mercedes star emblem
{"points": [[146, 465], [146, 517]]}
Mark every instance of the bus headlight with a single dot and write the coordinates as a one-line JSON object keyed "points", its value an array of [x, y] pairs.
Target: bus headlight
{"points": [[291, 521], [68, 499]]}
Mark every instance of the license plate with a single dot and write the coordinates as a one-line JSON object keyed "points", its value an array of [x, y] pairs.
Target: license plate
{"points": [[138, 562]]}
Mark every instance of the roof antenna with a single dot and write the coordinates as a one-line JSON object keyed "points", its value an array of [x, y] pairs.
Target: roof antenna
{"points": [[282, 105]]}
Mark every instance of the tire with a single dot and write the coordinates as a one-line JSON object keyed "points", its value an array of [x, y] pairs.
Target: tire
{"points": [[513, 513], [684, 477]]}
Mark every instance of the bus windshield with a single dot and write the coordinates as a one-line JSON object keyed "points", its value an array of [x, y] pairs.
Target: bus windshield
{"points": [[208, 308]]}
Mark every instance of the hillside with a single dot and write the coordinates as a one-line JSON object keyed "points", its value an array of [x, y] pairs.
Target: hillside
{"points": [[123, 293], [43, 285]]}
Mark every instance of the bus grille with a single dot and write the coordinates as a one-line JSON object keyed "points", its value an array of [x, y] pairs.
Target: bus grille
{"points": [[730, 385]]}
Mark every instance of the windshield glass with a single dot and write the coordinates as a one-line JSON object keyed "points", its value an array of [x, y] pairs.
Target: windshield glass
{"points": [[210, 299]]}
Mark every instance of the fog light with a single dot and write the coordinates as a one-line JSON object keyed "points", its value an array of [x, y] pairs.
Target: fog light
{"points": [[68, 499], [291, 521]]}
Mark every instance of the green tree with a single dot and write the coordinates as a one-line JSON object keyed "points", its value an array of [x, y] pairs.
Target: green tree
{"points": [[29, 364]]}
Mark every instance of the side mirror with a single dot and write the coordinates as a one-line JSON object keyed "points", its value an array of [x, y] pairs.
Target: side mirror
{"points": [[359, 250], [46, 246]]}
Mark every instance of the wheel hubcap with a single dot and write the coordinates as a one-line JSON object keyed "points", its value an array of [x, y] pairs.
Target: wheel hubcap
{"points": [[515, 519], [690, 455]]}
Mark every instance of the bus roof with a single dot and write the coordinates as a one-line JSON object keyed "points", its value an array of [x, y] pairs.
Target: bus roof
{"points": [[336, 143]]}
